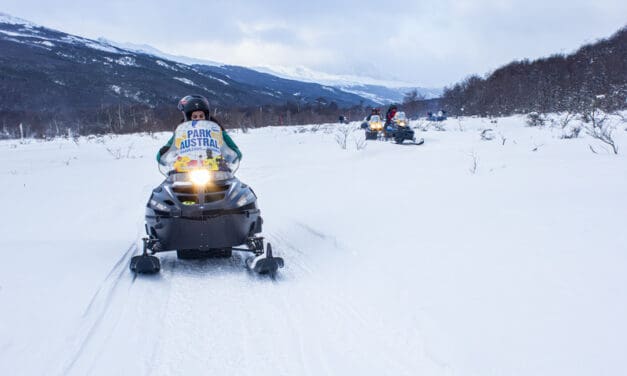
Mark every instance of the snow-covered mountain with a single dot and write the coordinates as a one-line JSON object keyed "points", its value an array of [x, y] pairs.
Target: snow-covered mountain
{"points": [[150, 50], [382, 91], [378, 91], [54, 71]]}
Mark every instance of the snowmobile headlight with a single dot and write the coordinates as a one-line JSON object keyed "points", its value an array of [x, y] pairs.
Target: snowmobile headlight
{"points": [[200, 177]]}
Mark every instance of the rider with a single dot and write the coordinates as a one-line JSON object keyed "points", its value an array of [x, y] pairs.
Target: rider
{"points": [[390, 114], [196, 107], [374, 111], [388, 117]]}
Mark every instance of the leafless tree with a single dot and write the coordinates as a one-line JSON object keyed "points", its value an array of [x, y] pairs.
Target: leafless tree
{"points": [[599, 126]]}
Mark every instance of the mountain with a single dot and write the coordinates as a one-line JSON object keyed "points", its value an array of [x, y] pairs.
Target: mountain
{"points": [[56, 72], [380, 91], [384, 95], [377, 91], [298, 90]]}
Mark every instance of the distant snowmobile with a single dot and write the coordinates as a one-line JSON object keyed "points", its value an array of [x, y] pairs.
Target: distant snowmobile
{"points": [[399, 130], [201, 209], [373, 125], [439, 116]]}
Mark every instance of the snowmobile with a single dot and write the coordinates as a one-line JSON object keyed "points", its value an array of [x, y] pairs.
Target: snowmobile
{"points": [[202, 210], [399, 130], [373, 127], [439, 116]]}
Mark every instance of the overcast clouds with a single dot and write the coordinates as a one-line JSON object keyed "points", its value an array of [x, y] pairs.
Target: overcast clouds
{"points": [[427, 43]]}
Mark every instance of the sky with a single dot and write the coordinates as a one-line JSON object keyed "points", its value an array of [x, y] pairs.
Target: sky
{"points": [[430, 44]]}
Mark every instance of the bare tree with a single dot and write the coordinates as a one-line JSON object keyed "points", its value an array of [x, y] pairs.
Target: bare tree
{"points": [[599, 126]]}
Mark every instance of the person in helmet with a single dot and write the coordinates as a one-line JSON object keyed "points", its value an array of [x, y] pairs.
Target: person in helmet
{"points": [[388, 118], [374, 111], [196, 107], [390, 114]]}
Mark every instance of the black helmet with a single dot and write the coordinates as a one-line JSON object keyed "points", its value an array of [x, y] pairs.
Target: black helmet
{"points": [[191, 103]]}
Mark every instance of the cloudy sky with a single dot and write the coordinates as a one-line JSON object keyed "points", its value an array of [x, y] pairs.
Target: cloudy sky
{"points": [[425, 43]]}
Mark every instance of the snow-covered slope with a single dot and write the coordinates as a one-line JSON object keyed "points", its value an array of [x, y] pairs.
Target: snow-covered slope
{"points": [[376, 90], [147, 49], [457, 257], [97, 74]]}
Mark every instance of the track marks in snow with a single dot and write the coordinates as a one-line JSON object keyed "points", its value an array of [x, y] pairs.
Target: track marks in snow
{"points": [[98, 307], [213, 316], [121, 314]]}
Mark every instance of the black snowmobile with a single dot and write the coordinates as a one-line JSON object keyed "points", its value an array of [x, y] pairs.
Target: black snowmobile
{"points": [[399, 130], [373, 127], [203, 211]]}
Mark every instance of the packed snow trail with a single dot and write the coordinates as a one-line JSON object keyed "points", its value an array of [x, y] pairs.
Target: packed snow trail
{"points": [[398, 260], [212, 316]]}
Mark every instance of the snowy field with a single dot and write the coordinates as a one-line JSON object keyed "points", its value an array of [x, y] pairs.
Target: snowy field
{"points": [[458, 257]]}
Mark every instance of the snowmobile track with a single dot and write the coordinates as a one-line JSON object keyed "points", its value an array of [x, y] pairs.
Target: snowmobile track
{"points": [[102, 297], [109, 307]]}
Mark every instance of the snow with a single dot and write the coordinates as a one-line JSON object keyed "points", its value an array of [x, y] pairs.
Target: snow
{"points": [[127, 61], [164, 64], [150, 50], [13, 34], [90, 44], [302, 73], [399, 259], [46, 43], [8, 19], [67, 56], [373, 97], [219, 80], [185, 81]]}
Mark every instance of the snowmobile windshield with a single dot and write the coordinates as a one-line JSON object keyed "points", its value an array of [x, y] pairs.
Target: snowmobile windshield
{"points": [[199, 145], [400, 116], [375, 118]]}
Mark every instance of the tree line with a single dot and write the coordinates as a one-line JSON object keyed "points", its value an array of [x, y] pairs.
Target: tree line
{"points": [[558, 83], [121, 119]]}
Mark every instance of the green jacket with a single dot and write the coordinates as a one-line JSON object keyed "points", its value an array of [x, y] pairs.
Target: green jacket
{"points": [[227, 139]]}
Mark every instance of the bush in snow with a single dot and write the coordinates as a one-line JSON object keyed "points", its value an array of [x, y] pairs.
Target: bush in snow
{"points": [[439, 126], [599, 125], [571, 131], [535, 119], [422, 124], [121, 153], [341, 135], [360, 141]]}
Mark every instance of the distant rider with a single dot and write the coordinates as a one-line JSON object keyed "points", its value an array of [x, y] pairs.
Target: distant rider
{"points": [[374, 111], [196, 107], [390, 114], [388, 117]]}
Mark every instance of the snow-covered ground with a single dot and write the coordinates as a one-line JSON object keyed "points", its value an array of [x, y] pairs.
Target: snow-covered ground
{"points": [[457, 257]]}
